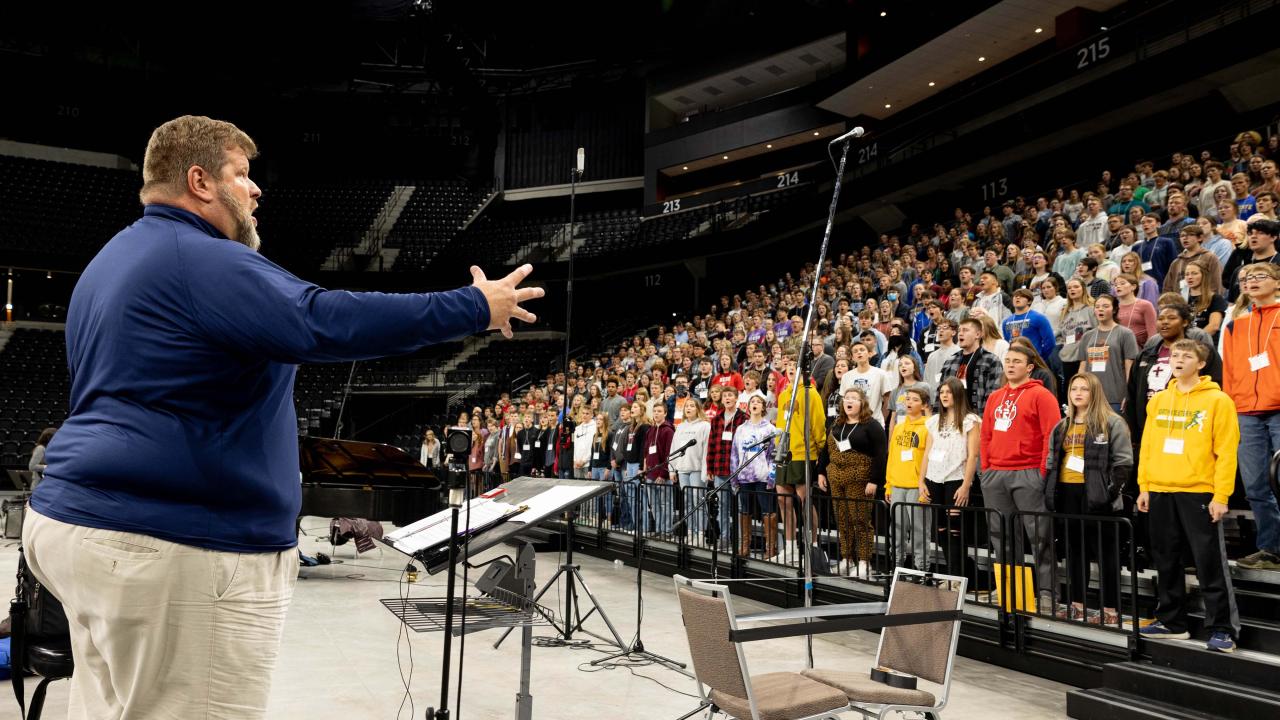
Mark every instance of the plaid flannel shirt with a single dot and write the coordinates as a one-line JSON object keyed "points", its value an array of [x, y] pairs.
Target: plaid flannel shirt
{"points": [[983, 375], [717, 449]]}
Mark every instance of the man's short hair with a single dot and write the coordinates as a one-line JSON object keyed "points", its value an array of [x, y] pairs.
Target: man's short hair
{"points": [[1269, 227], [185, 141], [974, 323], [1270, 195], [1192, 229], [1089, 262], [1024, 294], [1213, 164], [947, 322], [1188, 345], [992, 274]]}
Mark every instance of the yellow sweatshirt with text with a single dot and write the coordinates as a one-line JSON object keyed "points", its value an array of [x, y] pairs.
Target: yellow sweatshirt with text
{"points": [[906, 453], [817, 423], [1204, 422]]}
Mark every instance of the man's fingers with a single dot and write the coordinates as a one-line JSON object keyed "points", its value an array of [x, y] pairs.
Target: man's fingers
{"points": [[477, 275], [518, 275], [520, 313], [529, 293], [506, 330]]}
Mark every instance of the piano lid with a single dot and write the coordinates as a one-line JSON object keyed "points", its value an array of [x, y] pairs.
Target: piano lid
{"points": [[348, 462]]}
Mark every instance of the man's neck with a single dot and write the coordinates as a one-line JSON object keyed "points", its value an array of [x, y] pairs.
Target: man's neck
{"points": [[946, 344], [968, 350], [1019, 383], [913, 415], [1266, 254], [862, 366], [1188, 383]]}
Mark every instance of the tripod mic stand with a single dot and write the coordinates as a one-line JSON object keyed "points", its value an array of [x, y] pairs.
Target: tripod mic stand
{"points": [[636, 648], [573, 617]]}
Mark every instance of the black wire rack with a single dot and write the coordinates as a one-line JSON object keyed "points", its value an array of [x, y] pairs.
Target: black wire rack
{"points": [[500, 609]]}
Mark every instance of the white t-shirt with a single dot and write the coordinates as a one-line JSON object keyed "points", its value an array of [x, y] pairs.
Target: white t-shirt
{"points": [[874, 382], [1052, 310], [950, 449]]}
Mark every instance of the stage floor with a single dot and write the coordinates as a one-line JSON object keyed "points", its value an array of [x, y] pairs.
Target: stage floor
{"points": [[339, 654]]}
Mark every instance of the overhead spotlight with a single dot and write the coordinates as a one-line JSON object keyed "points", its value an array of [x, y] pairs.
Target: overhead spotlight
{"points": [[1103, 28], [48, 275], [768, 147], [1039, 30], [686, 167], [982, 58], [887, 106], [931, 84], [726, 157], [883, 13], [817, 134]]}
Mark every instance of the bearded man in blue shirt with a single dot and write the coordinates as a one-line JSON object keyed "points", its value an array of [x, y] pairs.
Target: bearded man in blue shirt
{"points": [[166, 521]]}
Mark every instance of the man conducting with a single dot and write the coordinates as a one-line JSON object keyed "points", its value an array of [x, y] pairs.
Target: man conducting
{"points": [[165, 523]]}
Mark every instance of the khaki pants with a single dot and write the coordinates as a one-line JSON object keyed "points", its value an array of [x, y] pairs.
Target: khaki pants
{"points": [[161, 630]]}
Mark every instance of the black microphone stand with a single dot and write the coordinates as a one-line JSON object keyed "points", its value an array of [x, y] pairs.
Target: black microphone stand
{"points": [[801, 384], [637, 646]]}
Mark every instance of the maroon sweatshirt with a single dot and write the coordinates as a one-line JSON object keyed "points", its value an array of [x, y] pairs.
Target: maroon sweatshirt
{"points": [[657, 448]]}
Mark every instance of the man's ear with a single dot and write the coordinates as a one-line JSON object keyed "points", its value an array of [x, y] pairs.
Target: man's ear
{"points": [[200, 184]]}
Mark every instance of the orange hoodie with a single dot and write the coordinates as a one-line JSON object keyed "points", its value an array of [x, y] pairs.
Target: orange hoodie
{"points": [[1246, 336]]}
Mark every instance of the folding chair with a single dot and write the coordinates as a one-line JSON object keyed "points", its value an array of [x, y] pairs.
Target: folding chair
{"points": [[720, 667]]}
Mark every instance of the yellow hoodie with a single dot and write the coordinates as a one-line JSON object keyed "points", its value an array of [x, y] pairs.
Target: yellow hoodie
{"points": [[1204, 421], [906, 453], [817, 423]]}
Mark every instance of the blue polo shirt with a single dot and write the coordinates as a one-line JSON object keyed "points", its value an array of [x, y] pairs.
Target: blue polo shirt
{"points": [[182, 347]]}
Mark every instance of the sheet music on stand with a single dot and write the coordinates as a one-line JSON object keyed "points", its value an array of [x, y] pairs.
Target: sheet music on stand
{"points": [[432, 532]]}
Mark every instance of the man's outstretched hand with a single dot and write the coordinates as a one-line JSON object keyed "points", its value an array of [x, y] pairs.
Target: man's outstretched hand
{"points": [[504, 297]]}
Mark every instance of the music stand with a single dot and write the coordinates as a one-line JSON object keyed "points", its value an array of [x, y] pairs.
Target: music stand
{"points": [[542, 499]]}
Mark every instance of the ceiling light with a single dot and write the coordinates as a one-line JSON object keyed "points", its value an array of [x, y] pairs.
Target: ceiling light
{"points": [[686, 167], [1039, 30], [982, 58], [726, 157], [816, 134], [887, 106], [770, 147], [931, 84], [883, 13]]}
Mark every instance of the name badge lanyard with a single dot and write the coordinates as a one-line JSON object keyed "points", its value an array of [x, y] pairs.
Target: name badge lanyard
{"points": [[1260, 360], [1103, 344], [1013, 405], [842, 442]]}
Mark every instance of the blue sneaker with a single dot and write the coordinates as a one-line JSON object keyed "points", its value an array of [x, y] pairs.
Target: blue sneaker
{"points": [[1157, 631], [1221, 642]]}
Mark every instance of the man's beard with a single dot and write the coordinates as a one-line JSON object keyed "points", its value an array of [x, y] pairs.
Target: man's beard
{"points": [[245, 232]]}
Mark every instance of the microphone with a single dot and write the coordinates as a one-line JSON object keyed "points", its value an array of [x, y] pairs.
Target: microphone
{"points": [[766, 439], [582, 159], [857, 132], [686, 446]]}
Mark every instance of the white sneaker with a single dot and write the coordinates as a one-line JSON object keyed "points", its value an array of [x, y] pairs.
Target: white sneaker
{"points": [[864, 569]]}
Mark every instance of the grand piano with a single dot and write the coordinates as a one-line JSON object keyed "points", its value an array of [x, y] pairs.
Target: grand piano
{"points": [[345, 478]]}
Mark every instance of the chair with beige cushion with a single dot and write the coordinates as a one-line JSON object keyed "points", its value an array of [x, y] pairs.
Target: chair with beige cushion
{"points": [[924, 650], [720, 666]]}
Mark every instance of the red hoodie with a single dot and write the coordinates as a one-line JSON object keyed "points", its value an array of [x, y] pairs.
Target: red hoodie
{"points": [[1031, 412]]}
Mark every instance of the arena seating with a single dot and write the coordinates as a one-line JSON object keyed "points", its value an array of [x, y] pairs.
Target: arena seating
{"points": [[431, 220], [301, 225], [34, 391], [500, 362], [63, 209]]}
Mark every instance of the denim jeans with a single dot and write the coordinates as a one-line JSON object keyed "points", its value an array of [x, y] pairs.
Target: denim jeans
{"points": [[626, 495], [659, 498], [1259, 438], [697, 523], [724, 503]]}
